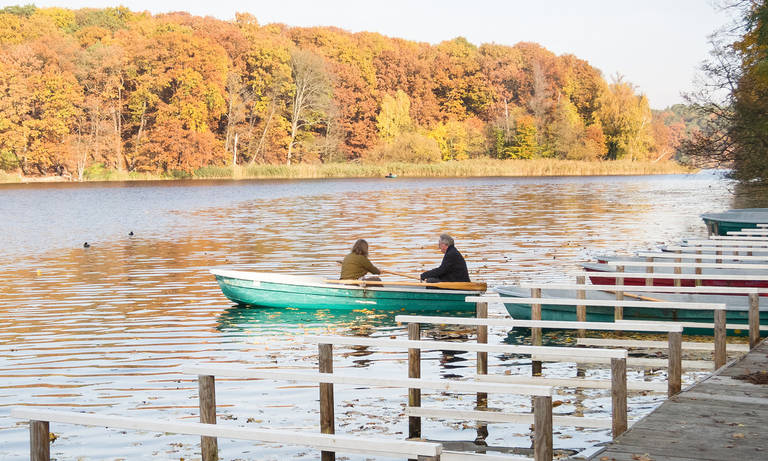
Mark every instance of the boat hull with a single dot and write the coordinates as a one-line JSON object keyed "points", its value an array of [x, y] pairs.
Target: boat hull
{"points": [[737, 308], [594, 270], [286, 291], [734, 220]]}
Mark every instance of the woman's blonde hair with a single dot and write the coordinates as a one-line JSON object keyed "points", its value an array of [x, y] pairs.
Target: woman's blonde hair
{"points": [[360, 247]]}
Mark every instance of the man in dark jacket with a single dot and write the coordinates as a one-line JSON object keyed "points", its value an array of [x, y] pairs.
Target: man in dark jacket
{"points": [[452, 269]]}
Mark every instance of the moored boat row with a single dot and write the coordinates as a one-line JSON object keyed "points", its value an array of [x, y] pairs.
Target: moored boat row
{"points": [[743, 272], [737, 307]]}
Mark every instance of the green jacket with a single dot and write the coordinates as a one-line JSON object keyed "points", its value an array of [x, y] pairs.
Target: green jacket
{"points": [[355, 266]]}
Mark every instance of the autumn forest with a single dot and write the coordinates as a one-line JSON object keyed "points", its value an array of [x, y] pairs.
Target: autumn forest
{"points": [[129, 91]]}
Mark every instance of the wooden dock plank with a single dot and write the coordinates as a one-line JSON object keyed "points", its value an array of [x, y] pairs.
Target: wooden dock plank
{"points": [[717, 419]]}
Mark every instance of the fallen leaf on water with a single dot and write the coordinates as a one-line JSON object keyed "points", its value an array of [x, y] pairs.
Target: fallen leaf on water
{"points": [[643, 457], [738, 435], [605, 458]]}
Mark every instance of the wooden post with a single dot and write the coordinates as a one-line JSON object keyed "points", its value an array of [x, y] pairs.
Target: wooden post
{"points": [[542, 428], [325, 360], [618, 311], [39, 441], [649, 270], [698, 282], [581, 311], [581, 316], [482, 369], [719, 338], [675, 365], [754, 320], [206, 385], [619, 396], [698, 269], [536, 332], [414, 371]]}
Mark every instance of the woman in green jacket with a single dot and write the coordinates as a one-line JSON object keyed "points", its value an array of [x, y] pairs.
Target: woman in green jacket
{"points": [[356, 264]]}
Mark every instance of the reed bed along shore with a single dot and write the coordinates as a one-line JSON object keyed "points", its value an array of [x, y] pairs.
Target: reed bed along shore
{"points": [[467, 168]]}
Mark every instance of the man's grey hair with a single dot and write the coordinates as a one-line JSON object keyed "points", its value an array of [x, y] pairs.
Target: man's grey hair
{"points": [[446, 239]]}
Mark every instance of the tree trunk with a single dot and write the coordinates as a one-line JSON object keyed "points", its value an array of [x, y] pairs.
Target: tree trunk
{"points": [[234, 151], [506, 121], [298, 109], [272, 109], [121, 163], [141, 126], [230, 110]]}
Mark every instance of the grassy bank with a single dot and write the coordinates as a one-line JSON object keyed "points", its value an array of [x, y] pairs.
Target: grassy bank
{"points": [[483, 167], [477, 167], [9, 177]]}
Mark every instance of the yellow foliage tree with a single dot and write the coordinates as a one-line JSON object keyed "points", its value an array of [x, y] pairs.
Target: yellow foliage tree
{"points": [[626, 119], [394, 117], [459, 140]]}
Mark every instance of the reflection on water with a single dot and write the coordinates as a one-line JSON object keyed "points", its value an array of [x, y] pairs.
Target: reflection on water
{"points": [[254, 321], [107, 328], [250, 321]]}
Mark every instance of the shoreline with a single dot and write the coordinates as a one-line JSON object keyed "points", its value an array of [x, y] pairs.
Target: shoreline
{"points": [[466, 168]]}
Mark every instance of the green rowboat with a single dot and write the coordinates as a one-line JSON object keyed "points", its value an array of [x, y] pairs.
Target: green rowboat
{"points": [[737, 308], [265, 289], [734, 220]]}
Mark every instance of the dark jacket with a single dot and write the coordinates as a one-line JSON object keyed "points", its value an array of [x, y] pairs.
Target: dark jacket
{"points": [[452, 269]]}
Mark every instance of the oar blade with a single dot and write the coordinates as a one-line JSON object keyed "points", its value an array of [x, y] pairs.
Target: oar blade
{"points": [[468, 286]]}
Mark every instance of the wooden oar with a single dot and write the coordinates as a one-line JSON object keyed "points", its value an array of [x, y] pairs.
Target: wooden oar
{"points": [[408, 276], [642, 298], [469, 286]]}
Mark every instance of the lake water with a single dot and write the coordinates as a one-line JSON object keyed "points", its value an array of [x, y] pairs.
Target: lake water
{"points": [[107, 328]]}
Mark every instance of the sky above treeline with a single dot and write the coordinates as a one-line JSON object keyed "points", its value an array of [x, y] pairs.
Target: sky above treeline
{"points": [[657, 45]]}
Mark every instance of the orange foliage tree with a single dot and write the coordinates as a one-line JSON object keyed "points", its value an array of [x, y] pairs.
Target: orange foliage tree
{"points": [[174, 92]]}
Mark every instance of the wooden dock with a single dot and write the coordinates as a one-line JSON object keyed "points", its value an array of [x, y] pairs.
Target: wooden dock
{"points": [[719, 418]]}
